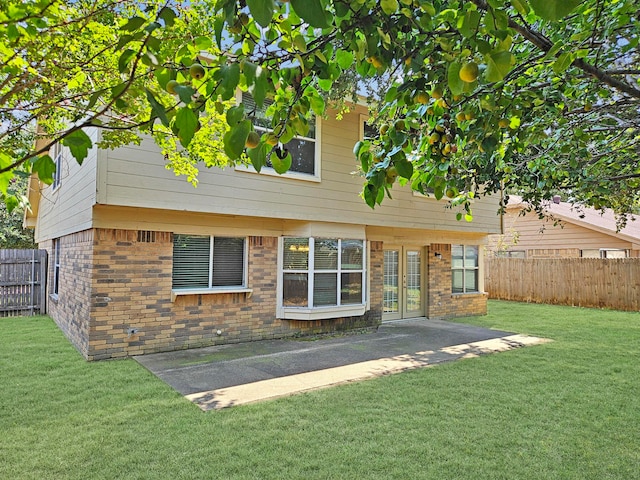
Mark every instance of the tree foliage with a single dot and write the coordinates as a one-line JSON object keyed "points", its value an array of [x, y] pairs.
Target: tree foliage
{"points": [[535, 96], [12, 233]]}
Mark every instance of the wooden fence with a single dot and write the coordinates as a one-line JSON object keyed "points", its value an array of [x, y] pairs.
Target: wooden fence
{"points": [[586, 282], [23, 275]]}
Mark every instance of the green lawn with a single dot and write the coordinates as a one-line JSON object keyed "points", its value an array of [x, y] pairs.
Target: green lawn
{"points": [[569, 409]]}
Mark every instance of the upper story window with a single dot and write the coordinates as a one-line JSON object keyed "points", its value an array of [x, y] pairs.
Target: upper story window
{"points": [[305, 151], [322, 272], [207, 262], [56, 155], [465, 268]]}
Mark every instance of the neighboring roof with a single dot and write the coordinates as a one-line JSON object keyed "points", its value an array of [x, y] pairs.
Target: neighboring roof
{"points": [[587, 217]]}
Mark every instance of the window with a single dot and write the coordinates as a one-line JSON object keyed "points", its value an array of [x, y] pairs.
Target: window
{"points": [[464, 268], [367, 131], [304, 155], [511, 254], [603, 253], [322, 272], [204, 262], [56, 155], [56, 266]]}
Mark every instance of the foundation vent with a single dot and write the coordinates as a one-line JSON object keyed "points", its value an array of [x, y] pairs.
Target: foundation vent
{"points": [[146, 236], [256, 241]]}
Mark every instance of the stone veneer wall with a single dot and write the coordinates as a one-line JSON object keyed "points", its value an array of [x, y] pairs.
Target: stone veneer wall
{"points": [[442, 303], [120, 303], [71, 309]]}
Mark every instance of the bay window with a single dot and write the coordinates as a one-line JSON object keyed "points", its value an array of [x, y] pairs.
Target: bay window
{"points": [[322, 274]]}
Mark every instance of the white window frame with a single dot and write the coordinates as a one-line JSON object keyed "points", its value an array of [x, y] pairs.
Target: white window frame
{"points": [[55, 250], [465, 269], [56, 155], [310, 312], [315, 177], [217, 289]]}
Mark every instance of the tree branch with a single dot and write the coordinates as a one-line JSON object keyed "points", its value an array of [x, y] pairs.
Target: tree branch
{"points": [[544, 44]]}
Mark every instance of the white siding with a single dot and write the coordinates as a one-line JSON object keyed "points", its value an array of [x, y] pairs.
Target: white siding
{"points": [[135, 176], [68, 208]]}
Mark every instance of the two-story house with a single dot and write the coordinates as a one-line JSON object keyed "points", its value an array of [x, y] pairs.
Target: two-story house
{"points": [[141, 261]]}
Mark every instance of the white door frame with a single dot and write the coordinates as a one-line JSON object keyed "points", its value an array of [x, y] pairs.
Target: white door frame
{"points": [[399, 304]]}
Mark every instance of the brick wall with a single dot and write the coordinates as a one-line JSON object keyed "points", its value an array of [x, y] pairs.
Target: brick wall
{"points": [[115, 297], [116, 300], [131, 293], [71, 308], [442, 303]]}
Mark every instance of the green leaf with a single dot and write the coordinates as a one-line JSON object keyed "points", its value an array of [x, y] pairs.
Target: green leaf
{"points": [[357, 147], [404, 168], [258, 155], [185, 92], [555, 49], [44, 167], [134, 23], [235, 139], [438, 191], [489, 144], [456, 85], [5, 179], [521, 6], [468, 25], [498, 65], [261, 10], [311, 11], [317, 104], [79, 144], [563, 62], [280, 165], [167, 15], [389, 6], [235, 115], [186, 122], [10, 201], [325, 84], [203, 43], [125, 58], [158, 108], [163, 75], [229, 79], [365, 160], [299, 43], [249, 70], [218, 27], [344, 59], [301, 126], [370, 192], [553, 10]]}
